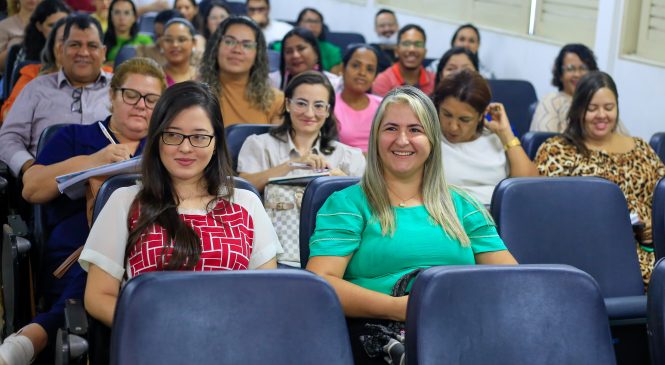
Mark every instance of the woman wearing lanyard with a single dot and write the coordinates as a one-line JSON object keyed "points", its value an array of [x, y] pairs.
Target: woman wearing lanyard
{"points": [[135, 88]]}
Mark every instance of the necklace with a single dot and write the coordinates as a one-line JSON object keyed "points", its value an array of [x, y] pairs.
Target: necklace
{"points": [[402, 202]]}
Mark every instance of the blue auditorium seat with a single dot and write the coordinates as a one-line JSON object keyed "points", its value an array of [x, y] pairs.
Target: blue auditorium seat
{"points": [[578, 221], [316, 193], [519, 98], [532, 140], [657, 142], [236, 134], [522, 314], [125, 53], [656, 314], [233, 317], [344, 39], [658, 219]]}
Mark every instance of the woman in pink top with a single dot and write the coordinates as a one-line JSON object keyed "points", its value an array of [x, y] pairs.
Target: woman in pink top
{"points": [[355, 107]]}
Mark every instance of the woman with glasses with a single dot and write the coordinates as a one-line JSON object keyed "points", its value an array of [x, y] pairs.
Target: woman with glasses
{"points": [[331, 56], [177, 45], [571, 64], [304, 143], [186, 215], [235, 65], [123, 29], [135, 88], [300, 52]]}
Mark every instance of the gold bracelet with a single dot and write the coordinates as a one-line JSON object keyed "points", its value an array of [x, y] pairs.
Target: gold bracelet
{"points": [[512, 143]]}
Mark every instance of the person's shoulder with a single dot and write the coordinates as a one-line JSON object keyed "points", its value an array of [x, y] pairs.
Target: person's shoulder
{"points": [[143, 39], [264, 139], [463, 201], [346, 148], [31, 70], [374, 99], [125, 193]]}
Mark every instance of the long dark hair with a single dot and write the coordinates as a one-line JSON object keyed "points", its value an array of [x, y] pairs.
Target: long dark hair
{"points": [[309, 37], [47, 55], [304, 11], [206, 13], [110, 38], [583, 52], [329, 128], [34, 40], [464, 26], [157, 200], [446, 57], [587, 87]]}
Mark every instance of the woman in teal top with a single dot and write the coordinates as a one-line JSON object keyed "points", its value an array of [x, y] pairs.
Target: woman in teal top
{"points": [[123, 29], [402, 217]]}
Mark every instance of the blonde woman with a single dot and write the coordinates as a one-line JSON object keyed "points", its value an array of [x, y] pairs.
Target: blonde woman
{"points": [[402, 217]]}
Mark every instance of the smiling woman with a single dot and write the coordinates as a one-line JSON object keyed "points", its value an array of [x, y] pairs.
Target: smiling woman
{"points": [[177, 44]]}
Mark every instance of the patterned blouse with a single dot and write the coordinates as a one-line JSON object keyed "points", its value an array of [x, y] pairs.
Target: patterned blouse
{"points": [[636, 172]]}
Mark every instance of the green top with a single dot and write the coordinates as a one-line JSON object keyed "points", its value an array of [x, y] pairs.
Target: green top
{"points": [[330, 54], [344, 226], [140, 39]]}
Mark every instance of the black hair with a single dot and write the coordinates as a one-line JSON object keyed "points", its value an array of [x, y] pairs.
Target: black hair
{"points": [[48, 53], [304, 11], [407, 28], [34, 40], [446, 57], [587, 87], [329, 128], [468, 87], [82, 21], [206, 13], [464, 26], [157, 199], [353, 47], [166, 15], [196, 21], [582, 51], [308, 37], [110, 38], [385, 11]]}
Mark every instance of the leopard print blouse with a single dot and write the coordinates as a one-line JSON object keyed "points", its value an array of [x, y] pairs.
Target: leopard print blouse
{"points": [[636, 172]]}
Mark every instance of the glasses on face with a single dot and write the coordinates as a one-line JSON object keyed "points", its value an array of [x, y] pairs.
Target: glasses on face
{"points": [[196, 140], [256, 9], [408, 44], [311, 21], [179, 40], [122, 13], [302, 106], [572, 69], [132, 97], [77, 107], [230, 42]]}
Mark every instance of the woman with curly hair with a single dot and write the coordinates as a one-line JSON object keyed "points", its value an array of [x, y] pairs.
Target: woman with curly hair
{"points": [[235, 65]]}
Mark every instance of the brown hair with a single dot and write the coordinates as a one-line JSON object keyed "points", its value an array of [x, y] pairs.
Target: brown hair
{"points": [[468, 87], [140, 66]]}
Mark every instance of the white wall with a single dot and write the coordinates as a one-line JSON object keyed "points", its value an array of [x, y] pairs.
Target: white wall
{"points": [[641, 86]]}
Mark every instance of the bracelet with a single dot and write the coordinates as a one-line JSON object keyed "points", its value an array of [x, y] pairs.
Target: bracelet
{"points": [[512, 143]]}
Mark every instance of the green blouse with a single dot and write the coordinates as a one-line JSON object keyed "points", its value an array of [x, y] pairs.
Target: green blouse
{"points": [[345, 226], [140, 39]]}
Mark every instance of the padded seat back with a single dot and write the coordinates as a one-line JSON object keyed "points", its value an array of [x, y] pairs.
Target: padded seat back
{"points": [[519, 98]]}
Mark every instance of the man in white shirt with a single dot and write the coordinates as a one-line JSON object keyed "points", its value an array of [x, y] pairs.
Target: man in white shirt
{"points": [[273, 30]]}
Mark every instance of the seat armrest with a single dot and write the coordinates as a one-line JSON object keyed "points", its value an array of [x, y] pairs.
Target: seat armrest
{"points": [[76, 320], [631, 307]]}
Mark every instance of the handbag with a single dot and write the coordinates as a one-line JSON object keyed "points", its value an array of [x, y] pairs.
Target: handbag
{"points": [[282, 203]]}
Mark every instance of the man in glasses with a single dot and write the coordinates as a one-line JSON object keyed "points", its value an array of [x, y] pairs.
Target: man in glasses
{"points": [[78, 94], [273, 30], [408, 70]]}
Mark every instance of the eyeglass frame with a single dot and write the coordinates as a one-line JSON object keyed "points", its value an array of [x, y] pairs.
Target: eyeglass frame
{"points": [[77, 105], [303, 109], [187, 137], [246, 45], [572, 68], [414, 44], [141, 96]]}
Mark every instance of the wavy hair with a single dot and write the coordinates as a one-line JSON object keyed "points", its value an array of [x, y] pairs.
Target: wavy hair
{"points": [[258, 92], [329, 129], [436, 193], [157, 200], [582, 51], [110, 38], [587, 87], [47, 56], [34, 40]]}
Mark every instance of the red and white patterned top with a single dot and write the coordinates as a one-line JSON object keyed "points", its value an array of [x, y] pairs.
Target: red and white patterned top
{"points": [[235, 235], [226, 233]]}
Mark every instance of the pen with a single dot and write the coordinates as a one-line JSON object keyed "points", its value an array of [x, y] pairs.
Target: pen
{"points": [[106, 133]]}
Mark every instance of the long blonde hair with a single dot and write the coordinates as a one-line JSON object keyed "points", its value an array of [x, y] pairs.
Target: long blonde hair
{"points": [[435, 191]]}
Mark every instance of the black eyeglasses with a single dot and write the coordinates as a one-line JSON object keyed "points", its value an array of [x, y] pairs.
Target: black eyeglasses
{"points": [[77, 107], [196, 140], [132, 97]]}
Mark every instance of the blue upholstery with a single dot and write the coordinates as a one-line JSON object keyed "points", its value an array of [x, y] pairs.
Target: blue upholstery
{"points": [[528, 314], [125, 53], [519, 98], [656, 314], [274, 60], [658, 219], [657, 142], [578, 221], [237, 7], [316, 193], [10, 62], [343, 39], [532, 140], [236, 134], [233, 317], [147, 23], [119, 181]]}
